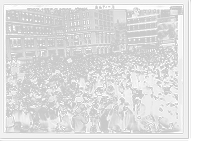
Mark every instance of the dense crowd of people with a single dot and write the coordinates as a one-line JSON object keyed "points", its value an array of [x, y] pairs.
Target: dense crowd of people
{"points": [[116, 93]]}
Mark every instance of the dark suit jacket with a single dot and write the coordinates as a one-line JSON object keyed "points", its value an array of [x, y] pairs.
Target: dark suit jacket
{"points": [[140, 111], [128, 120], [113, 119]]}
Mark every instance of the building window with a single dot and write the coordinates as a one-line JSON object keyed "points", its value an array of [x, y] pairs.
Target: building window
{"points": [[15, 43], [88, 21], [28, 42], [30, 54], [155, 25], [84, 22], [101, 38], [40, 42], [16, 55], [12, 15], [60, 42], [23, 17], [8, 15], [51, 42], [17, 15]]}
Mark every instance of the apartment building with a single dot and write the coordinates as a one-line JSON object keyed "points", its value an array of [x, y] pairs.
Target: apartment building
{"points": [[141, 27], [34, 32], [89, 31]]}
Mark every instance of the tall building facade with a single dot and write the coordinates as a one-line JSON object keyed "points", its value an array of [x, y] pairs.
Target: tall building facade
{"points": [[34, 32], [167, 29], [88, 31], [141, 27]]}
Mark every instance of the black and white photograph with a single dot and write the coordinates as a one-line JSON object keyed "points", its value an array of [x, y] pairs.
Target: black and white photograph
{"points": [[115, 70]]}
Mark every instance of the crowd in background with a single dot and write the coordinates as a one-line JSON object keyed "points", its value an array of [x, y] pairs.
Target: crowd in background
{"points": [[116, 93]]}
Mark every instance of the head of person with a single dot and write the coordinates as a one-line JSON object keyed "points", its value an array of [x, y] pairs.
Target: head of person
{"points": [[138, 100], [126, 106]]}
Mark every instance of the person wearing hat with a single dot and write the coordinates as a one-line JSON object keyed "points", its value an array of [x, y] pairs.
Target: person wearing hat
{"points": [[115, 122], [80, 119], [16, 114], [43, 116], [64, 121], [9, 121], [128, 122], [139, 111], [26, 118]]}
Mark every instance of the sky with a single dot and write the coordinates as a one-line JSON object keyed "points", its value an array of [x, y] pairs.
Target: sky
{"points": [[120, 15]]}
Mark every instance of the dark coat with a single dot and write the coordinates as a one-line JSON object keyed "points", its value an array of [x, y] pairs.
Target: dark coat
{"points": [[128, 120], [140, 111], [113, 119]]}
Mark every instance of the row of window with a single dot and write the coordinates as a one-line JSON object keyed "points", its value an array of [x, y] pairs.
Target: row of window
{"points": [[103, 23], [102, 28], [141, 20], [142, 40], [29, 42], [29, 29], [86, 41], [77, 16], [142, 33], [103, 17], [84, 35], [142, 26], [100, 38], [19, 16], [78, 23], [32, 54]]}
